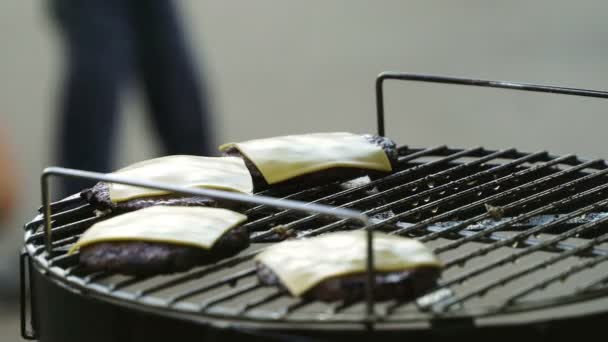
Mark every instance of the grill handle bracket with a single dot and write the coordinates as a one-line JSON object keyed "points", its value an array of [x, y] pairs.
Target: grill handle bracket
{"points": [[215, 194], [390, 75], [25, 288]]}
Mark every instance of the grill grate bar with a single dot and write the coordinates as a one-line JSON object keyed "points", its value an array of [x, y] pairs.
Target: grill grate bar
{"points": [[529, 232], [65, 203], [261, 301], [437, 203], [230, 294], [341, 306], [80, 212], [510, 258], [370, 185], [403, 159], [561, 246], [58, 243], [70, 270], [65, 229], [232, 279], [595, 283], [537, 247], [502, 195], [561, 276], [63, 260], [89, 278], [127, 282], [293, 307]]}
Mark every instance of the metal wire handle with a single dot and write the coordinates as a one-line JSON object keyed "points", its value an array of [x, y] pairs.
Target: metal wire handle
{"points": [[390, 75], [214, 194]]}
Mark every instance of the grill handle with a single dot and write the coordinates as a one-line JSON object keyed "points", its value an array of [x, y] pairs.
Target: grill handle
{"points": [[25, 291], [390, 75], [215, 194]]}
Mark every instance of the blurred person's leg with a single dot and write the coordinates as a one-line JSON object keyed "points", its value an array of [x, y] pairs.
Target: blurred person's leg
{"points": [[175, 94], [98, 61]]}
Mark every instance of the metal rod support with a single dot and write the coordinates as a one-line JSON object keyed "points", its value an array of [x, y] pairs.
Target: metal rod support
{"points": [[369, 286], [26, 283], [389, 75]]}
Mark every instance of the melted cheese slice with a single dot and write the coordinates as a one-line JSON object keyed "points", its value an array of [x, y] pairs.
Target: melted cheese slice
{"points": [[224, 173], [282, 158], [302, 264], [188, 226]]}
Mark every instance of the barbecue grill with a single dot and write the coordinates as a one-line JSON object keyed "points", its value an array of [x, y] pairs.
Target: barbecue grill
{"points": [[523, 237]]}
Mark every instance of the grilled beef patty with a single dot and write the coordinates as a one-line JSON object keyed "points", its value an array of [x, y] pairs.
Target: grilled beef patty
{"points": [[99, 197], [403, 285], [147, 258], [324, 176]]}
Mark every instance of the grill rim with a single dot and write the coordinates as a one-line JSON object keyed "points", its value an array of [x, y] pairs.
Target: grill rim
{"points": [[513, 318]]}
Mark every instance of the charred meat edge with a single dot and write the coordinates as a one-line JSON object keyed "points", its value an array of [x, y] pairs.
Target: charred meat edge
{"points": [[403, 285], [324, 176], [147, 258], [99, 197]]}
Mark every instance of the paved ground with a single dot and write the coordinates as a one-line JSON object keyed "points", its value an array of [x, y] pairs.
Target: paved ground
{"points": [[294, 66], [9, 323]]}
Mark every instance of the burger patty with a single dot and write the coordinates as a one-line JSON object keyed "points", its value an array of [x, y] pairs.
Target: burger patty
{"points": [[99, 197], [147, 258], [403, 285], [323, 176]]}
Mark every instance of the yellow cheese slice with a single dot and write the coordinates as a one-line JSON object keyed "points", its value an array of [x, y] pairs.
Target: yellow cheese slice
{"points": [[282, 158], [224, 173], [188, 226], [302, 264]]}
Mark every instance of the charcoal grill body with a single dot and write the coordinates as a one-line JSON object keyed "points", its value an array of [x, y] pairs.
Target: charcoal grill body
{"points": [[65, 314], [523, 236]]}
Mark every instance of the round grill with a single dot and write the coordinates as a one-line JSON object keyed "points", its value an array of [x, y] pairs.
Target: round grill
{"points": [[511, 228], [521, 235]]}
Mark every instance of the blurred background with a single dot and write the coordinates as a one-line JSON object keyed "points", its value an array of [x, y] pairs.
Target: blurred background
{"points": [[277, 67]]}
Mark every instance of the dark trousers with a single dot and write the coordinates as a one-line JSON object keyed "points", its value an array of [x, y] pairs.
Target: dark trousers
{"points": [[108, 44]]}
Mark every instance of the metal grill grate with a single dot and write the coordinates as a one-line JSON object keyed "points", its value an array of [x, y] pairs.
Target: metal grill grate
{"points": [[516, 231], [552, 224]]}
